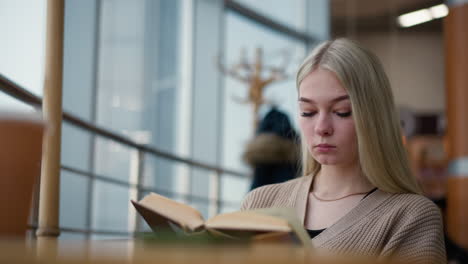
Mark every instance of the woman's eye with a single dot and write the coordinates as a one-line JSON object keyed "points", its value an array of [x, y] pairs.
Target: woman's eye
{"points": [[343, 114], [307, 114]]}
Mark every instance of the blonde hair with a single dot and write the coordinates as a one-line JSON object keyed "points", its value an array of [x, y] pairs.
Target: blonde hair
{"points": [[382, 156]]}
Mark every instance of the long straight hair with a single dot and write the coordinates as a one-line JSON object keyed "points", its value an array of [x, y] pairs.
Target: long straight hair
{"points": [[382, 156]]}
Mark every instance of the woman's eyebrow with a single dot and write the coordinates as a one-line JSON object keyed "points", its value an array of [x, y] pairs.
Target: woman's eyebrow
{"points": [[335, 100]]}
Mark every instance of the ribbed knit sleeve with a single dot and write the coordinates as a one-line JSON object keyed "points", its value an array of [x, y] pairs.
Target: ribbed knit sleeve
{"points": [[418, 232]]}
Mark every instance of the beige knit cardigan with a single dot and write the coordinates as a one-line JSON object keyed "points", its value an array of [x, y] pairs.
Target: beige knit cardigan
{"points": [[407, 226]]}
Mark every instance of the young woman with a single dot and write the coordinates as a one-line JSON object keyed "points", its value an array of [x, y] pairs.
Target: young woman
{"points": [[357, 194]]}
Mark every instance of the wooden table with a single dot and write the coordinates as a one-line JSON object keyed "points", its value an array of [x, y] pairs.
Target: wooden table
{"points": [[71, 252]]}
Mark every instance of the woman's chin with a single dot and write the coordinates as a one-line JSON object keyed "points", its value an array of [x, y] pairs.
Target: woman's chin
{"points": [[327, 161], [335, 162], [331, 161]]}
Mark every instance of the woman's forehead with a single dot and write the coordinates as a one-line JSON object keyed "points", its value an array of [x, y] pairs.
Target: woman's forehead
{"points": [[320, 93], [319, 83]]}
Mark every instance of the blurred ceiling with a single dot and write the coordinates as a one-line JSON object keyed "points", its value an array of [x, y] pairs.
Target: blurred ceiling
{"points": [[369, 16]]}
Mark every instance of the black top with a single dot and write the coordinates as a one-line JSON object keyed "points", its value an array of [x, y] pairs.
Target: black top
{"points": [[314, 233], [373, 190]]}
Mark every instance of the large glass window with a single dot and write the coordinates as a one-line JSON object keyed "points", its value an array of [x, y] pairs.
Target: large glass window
{"points": [[121, 72]]}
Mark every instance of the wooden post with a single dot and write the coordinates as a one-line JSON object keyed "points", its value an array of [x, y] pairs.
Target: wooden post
{"points": [[456, 63], [52, 110]]}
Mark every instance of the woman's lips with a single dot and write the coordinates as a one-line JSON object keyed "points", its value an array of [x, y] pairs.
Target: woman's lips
{"points": [[324, 147]]}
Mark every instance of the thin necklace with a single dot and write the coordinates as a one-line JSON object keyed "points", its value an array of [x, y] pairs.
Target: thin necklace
{"points": [[332, 200]]}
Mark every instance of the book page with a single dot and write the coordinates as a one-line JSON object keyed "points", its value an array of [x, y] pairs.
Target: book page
{"points": [[248, 220], [185, 216], [262, 220]]}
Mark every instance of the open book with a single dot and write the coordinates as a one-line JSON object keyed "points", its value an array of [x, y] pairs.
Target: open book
{"points": [[273, 224]]}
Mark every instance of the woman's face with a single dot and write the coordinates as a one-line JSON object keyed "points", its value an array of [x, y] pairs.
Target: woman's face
{"points": [[326, 121]]}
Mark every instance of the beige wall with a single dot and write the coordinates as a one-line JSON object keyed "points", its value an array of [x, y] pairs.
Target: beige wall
{"points": [[414, 63]]}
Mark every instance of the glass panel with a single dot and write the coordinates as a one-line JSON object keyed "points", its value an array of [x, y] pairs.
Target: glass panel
{"points": [[165, 176], [234, 188], [79, 57], [22, 27], [111, 207], [203, 208], [238, 129], [115, 160], [290, 13], [139, 71], [202, 182], [75, 147], [74, 193], [204, 185], [158, 173], [8, 103], [121, 64]]}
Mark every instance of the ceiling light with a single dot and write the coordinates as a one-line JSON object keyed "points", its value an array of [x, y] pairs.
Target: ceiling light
{"points": [[423, 15], [439, 11]]}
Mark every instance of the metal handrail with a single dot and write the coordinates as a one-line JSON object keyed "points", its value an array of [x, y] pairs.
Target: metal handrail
{"points": [[15, 90], [267, 21], [143, 188]]}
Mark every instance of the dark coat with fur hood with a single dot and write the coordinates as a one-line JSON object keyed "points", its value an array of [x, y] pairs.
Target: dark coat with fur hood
{"points": [[274, 152]]}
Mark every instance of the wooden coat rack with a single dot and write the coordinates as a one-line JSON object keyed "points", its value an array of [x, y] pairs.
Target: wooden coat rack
{"points": [[252, 74]]}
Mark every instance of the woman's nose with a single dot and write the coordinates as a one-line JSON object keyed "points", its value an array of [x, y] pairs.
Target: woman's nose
{"points": [[324, 126]]}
